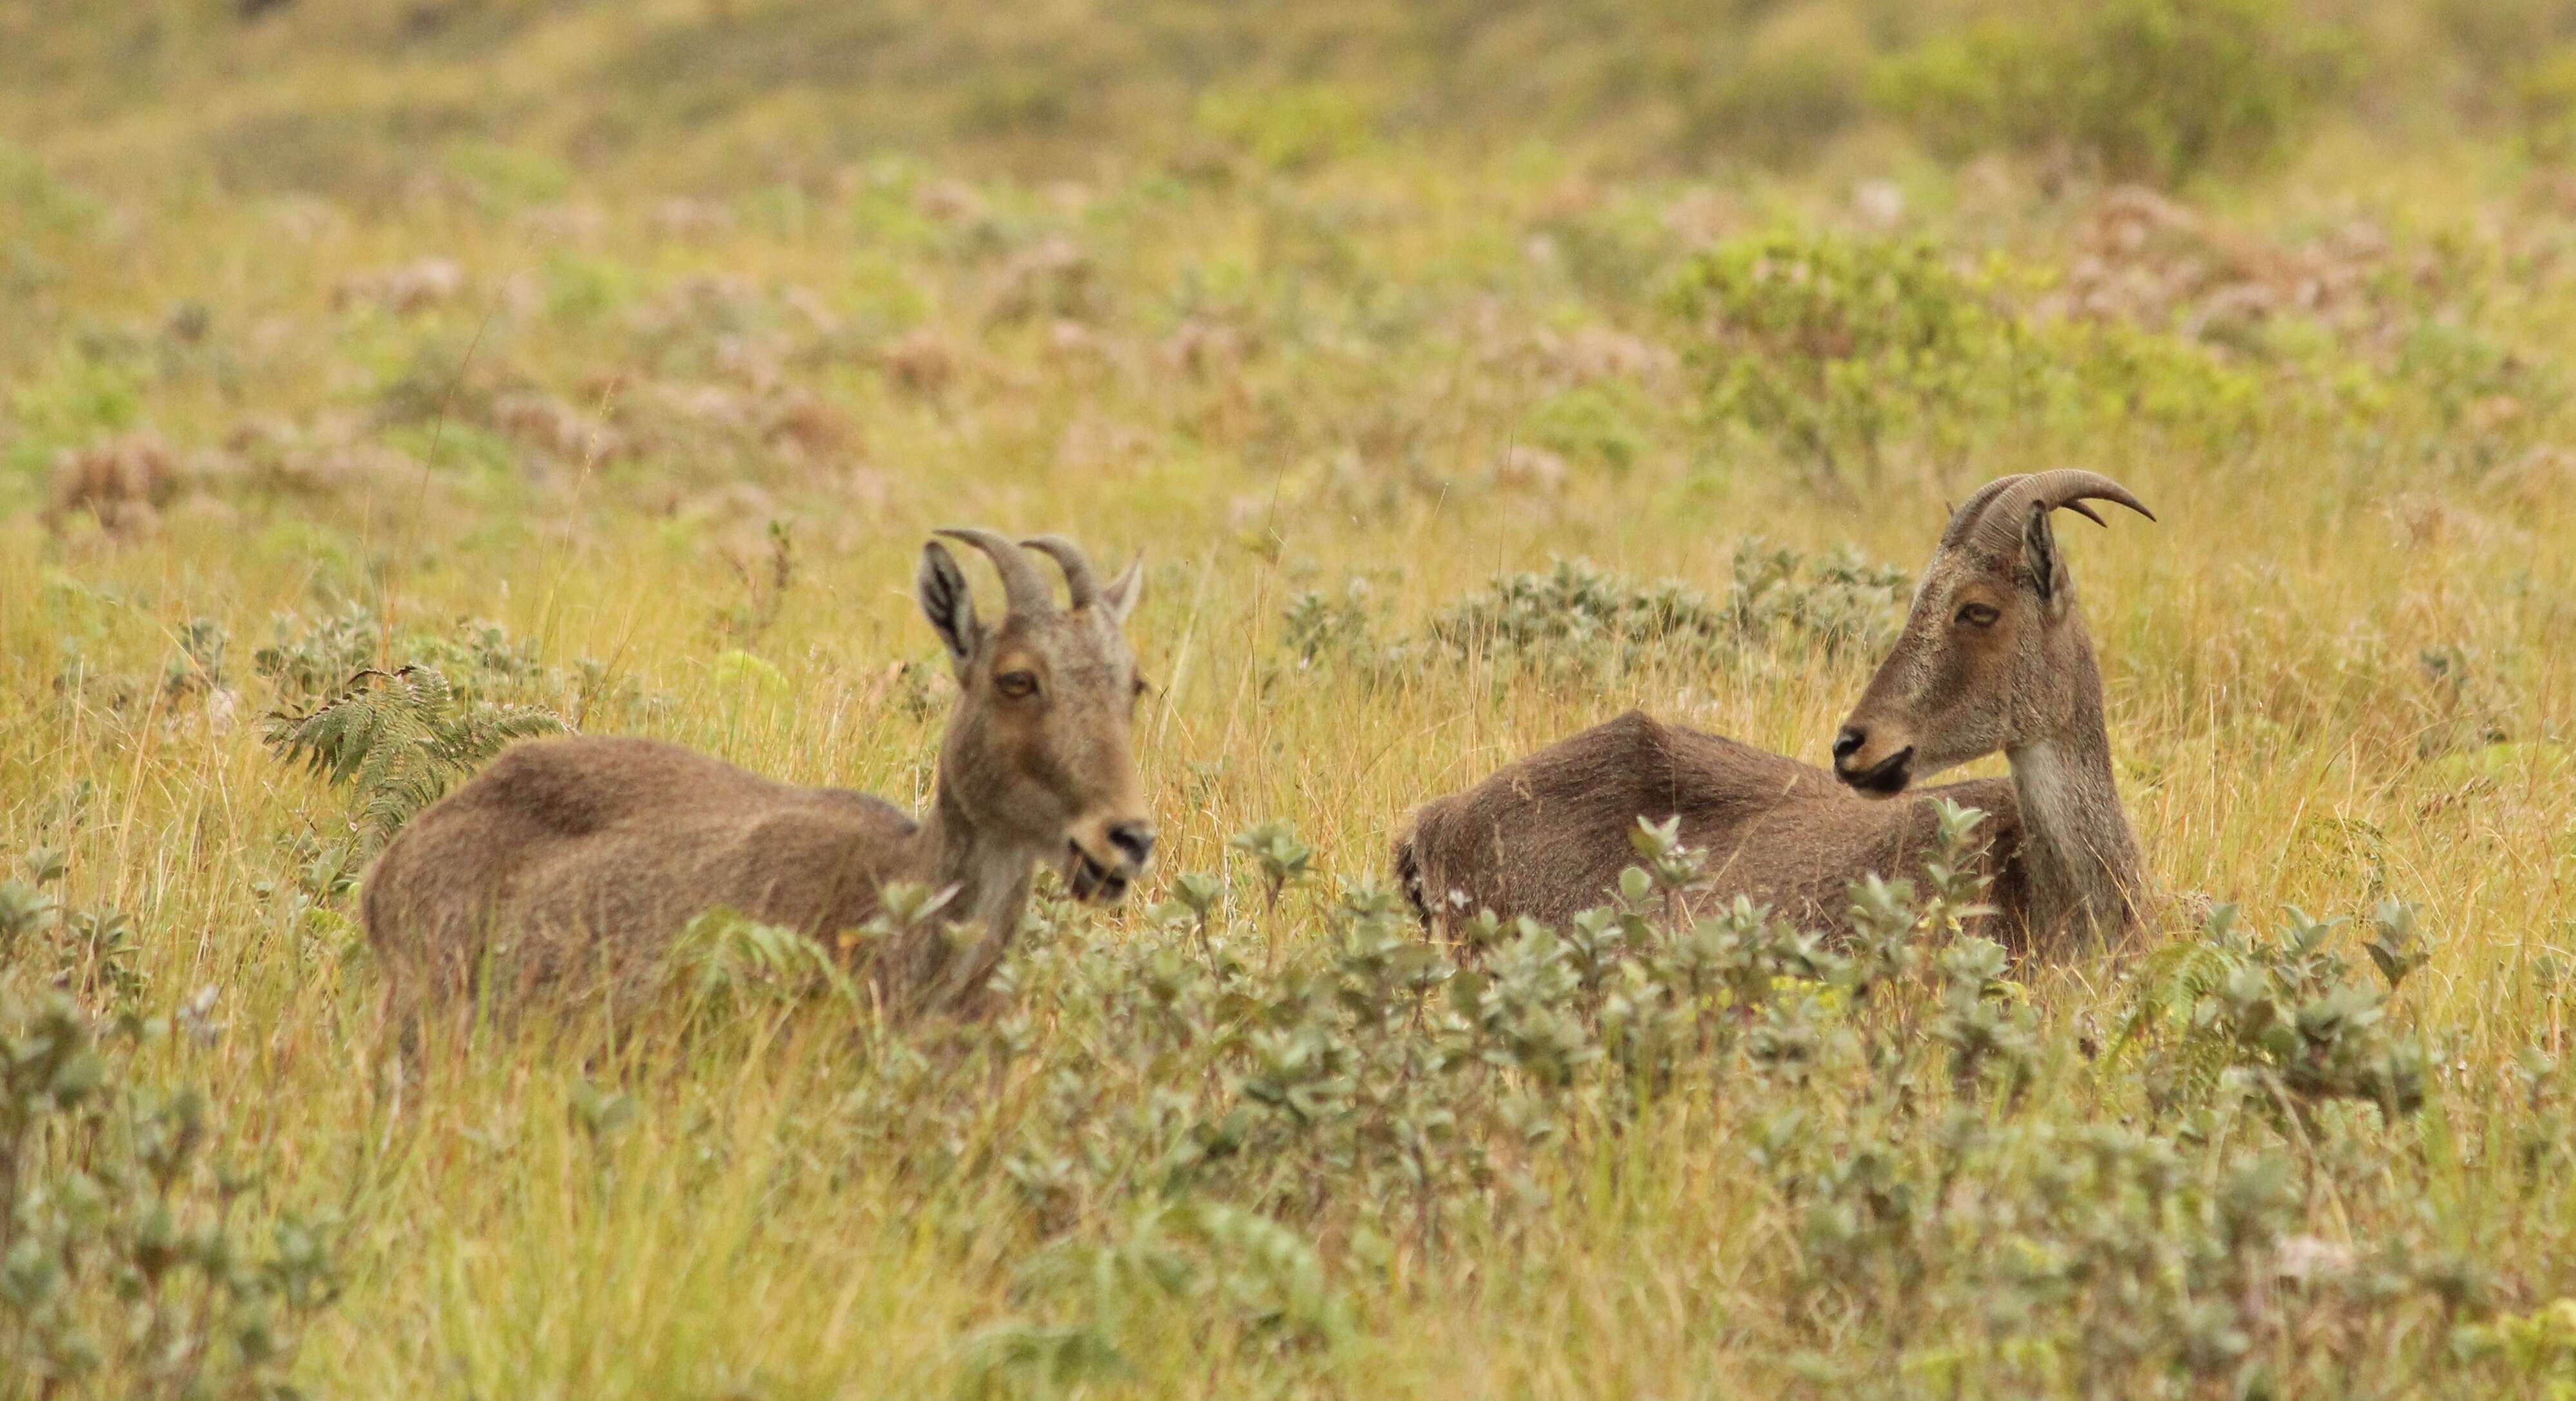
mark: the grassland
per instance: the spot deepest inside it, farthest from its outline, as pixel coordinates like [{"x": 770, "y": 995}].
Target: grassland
[{"x": 614, "y": 360}]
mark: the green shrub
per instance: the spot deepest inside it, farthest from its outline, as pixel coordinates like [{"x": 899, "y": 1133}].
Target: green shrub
[
  {"x": 725, "y": 965},
  {"x": 1289, "y": 128},
  {"x": 508, "y": 176},
  {"x": 2496, "y": 39},
  {"x": 1322, "y": 630},
  {"x": 1597, "y": 424},
  {"x": 2152, "y": 90},
  {"x": 1009, "y": 98},
  {"x": 1843, "y": 351},
  {"x": 579, "y": 289},
  {"x": 73, "y": 402},
  {"x": 129, "y": 1264},
  {"x": 1834, "y": 347},
  {"x": 2473, "y": 383},
  {"x": 2545, "y": 103},
  {"x": 1945, "y": 1162},
  {"x": 1800, "y": 79},
  {"x": 87, "y": 953},
  {"x": 34, "y": 198},
  {"x": 1576, "y": 615},
  {"x": 2286, "y": 1015}
]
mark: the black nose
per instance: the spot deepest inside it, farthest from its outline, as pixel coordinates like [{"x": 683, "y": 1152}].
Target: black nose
[
  {"x": 1849, "y": 742},
  {"x": 1135, "y": 841}
]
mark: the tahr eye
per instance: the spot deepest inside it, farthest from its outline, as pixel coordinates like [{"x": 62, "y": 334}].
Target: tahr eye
[
  {"x": 1018, "y": 685},
  {"x": 1978, "y": 615}
]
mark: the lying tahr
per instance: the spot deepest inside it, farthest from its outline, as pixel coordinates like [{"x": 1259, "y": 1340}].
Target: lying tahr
[
  {"x": 1993, "y": 656},
  {"x": 572, "y": 864}
]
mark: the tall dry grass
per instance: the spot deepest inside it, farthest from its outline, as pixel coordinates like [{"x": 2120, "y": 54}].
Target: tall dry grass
[{"x": 1267, "y": 381}]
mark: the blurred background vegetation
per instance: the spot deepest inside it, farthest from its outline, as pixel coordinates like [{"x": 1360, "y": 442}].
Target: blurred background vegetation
[
  {"x": 571, "y": 190},
  {"x": 357, "y": 99}
]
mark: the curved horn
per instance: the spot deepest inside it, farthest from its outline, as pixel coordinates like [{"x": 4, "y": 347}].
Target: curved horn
[
  {"x": 1998, "y": 524},
  {"x": 1965, "y": 518},
  {"x": 1079, "y": 582},
  {"x": 1023, "y": 587}
]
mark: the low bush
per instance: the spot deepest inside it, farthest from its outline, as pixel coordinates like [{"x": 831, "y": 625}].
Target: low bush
[
  {"x": 133, "y": 1259},
  {"x": 2545, "y": 104},
  {"x": 1289, "y": 128},
  {"x": 1966, "y": 1187},
  {"x": 1799, "y": 78},
  {"x": 1594, "y": 425},
  {"x": 2149, "y": 90},
  {"x": 1844, "y": 353},
  {"x": 1578, "y": 617}
]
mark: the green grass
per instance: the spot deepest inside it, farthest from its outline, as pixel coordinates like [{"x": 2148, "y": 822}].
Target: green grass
[{"x": 1286, "y": 323}]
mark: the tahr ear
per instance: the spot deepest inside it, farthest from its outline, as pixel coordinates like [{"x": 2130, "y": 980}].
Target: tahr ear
[
  {"x": 1122, "y": 593},
  {"x": 2039, "y": 555},
  {"x": 949, "y": 604}
]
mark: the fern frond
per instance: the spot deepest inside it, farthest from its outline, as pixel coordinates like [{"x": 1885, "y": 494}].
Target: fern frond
[
  {"x": 401, "y": 739},
  {"x": 486, "y": 729},
  {"x": 2172, "y": 980},
  {"x": 335, "y": 738}
]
